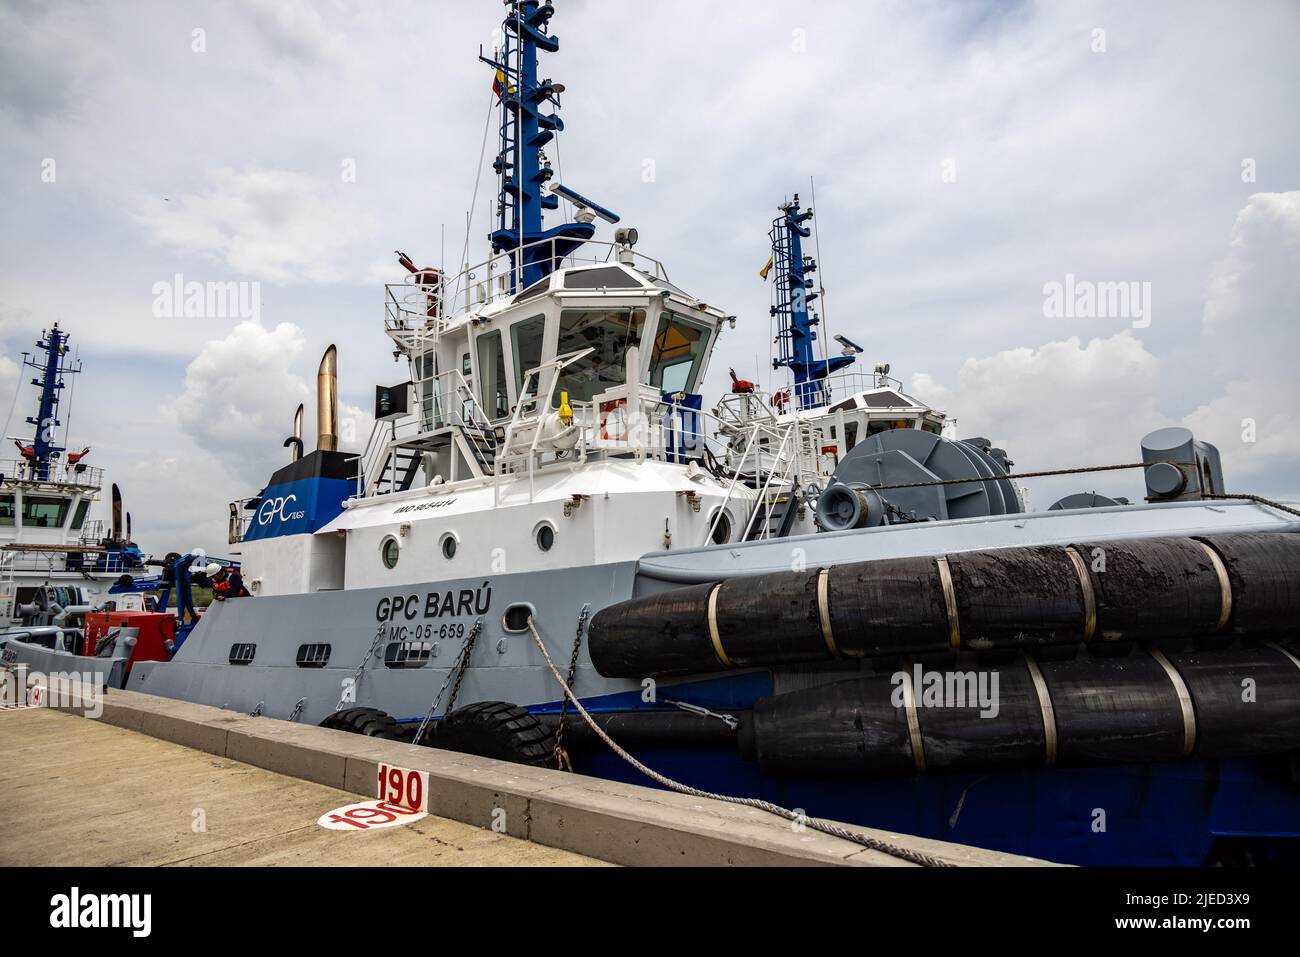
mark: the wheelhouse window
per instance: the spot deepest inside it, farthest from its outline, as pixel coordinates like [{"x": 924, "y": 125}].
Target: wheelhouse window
[
  {"x": 42, "y": 512},
  {"x": 678, "y": 352},
  {"x": 492, "y": 375},
  {"x": 601, "y": 277},
  {"x": 79, "y": 516},
  {"x": 6, "y": 509},
  {"x": 610, "y": 332},
  {"x": 526, "y": 338}
]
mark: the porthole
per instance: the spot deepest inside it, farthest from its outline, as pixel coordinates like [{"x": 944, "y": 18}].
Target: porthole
[
  {"x": 720, "y": 524},
  {"x": 390, "y": 552},
  {"x": 448, "y": 545},
  {"x": 545, "y": 536}
]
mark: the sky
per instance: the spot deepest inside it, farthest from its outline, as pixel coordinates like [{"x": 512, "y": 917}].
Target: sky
[{"x": 971, "y": 160}]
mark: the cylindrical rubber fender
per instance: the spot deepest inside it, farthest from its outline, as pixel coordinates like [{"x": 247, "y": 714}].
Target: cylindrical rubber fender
[
  {"x": 1246, "y": 699},
  {"x": 1018, "y": 598},
  {"x": 1113, "y": 710},
  {"x": 1263, "y": 570},
  {"x": 659, "y": 634},
  {"x": 999, "y": 725},
  {"x": 1146, "y": 589},
  {"x": 912, "y": 720},
  {"x": 769, "y": 620},
  {"x": 845, "y": 729},
  {"x": 894, "y": 606}
]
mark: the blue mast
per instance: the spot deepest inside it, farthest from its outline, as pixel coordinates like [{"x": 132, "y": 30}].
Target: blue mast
[
  {"x": 795, "y": 334},
  {"x": 521, "y": 165},
  {"x": 50, "y": 381}
]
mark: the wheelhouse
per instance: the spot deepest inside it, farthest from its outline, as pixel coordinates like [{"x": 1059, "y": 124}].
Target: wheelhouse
[{"x": 601, "y": 311}]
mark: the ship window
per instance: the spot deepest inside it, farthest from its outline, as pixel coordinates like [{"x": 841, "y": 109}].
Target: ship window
[
  {"x": 407, "y": 654},
  {"x": 79, "y": 517},
  {"x": 876, "y": 427},
  {"x": 850, "y": 435},
  {"x": 722, "y": 531},
  {"x": 390, "y": 552},
  {"x": 41, "y": 512},
  {"x": 535, "y": 290},
  {"x": 526, "y": 343},
  {"x": 313, "y": 656},
  {"x": 6, "y": 509},
  {"x": 492, "y": 375},
  {"x": 607, "y": 277},
  {"x": 241, "y": 653},
  {"x": 449, "y": 545},
  {"x": 678, "y": 352},
  {"x": 545, "y": 535},
  {"x": 609, "y": 332}
]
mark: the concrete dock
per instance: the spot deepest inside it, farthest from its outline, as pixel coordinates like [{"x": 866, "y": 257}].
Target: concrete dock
[
  {"x": 133, "y": 785},
  {"x": 85, "y": 794}
]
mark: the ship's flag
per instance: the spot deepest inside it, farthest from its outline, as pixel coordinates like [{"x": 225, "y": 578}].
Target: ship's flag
[
  {"x": 499, "y": 84},
  {"x": 767, "y": 268}
]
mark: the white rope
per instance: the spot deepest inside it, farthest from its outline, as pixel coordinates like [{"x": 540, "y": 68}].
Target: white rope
[{"x": 915, "y": 857}]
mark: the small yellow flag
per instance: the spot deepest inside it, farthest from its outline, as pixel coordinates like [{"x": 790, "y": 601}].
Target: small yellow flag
[{"x": 766, "y": 269}]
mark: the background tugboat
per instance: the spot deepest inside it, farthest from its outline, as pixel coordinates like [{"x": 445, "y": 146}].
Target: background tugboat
[
  {"x": 52, "y": 552},
  {"x": 75, "y": 596}
]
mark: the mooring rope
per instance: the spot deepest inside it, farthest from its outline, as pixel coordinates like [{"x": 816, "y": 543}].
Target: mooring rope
[
  {"x": 1257, "y": 499},
  {"x": 903, "y": 853}
]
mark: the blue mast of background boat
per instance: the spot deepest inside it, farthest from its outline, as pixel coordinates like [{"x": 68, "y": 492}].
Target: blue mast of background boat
[
  {"x": 795, "y": 333},
  {"x": 43, "y": 450}
]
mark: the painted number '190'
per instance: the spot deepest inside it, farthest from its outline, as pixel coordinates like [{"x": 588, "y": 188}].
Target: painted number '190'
[{"x": 403, "y": 786}]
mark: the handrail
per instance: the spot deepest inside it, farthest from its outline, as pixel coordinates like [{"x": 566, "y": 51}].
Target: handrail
[
  {"x": 762, "y": 493},
  {"x": 437, "y": 304}
]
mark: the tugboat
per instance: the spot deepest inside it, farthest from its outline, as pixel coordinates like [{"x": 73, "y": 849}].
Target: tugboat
[
  {"x": 879, "y": 635},
  {"x": 74, "y": 596},
  {"x": 51, "y": 551}
]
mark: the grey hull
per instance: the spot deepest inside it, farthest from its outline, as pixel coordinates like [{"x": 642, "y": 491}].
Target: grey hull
[{"x": 507, "y": 666}]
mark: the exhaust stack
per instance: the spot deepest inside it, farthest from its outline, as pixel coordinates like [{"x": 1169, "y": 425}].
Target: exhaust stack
[
  {"x": 295, "y": 441},
  {"x": 117, "y": 513},
  {"x": 327, "y": 402}
]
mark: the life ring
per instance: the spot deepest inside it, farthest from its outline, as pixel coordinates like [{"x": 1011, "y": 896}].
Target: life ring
[{"x": 616, "y": 410}]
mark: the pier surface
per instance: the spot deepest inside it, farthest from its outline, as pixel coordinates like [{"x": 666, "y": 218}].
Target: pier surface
[
  {"x": 132, "y": 783},
  {"x": 83, "y": 793}
]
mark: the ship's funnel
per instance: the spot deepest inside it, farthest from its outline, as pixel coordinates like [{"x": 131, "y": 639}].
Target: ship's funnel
[
  {"x": 327, "y": 402},
  {"x": 117, "y": 513}
]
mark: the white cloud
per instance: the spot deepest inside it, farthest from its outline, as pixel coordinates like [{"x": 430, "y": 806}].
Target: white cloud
[
  {"x": 239, "y": 398},
  {"x": 294, "y": 27},
  {"x": 1065, "y": 404},
  {"x": 1252, "y": 322},
  {"x": 1254, "y": 290},
  {"x": 355, "y": 426},
  {"x": 272, "y": 224}
]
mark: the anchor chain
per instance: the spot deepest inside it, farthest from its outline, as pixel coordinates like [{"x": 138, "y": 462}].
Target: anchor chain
[
  {"x": 561, "y": 756},
  {"x": 457, "y": 670},
  {"x": 356, "y": 675}
]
